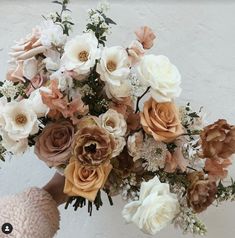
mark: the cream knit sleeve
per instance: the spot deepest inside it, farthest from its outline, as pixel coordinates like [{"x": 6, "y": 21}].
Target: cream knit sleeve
[{"x": 32, "y": 214}]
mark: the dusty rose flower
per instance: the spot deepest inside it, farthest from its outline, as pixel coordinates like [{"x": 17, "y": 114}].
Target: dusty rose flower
[
  {"x": 201, "y": 192},
  {"x": 218, "y": 140},
  {"x": 36, "y": 83},
  {"x": 53, "y": 145},
  {"x": 59, "y": 105},
  {"x": 84, "y": 181},
  {"x": 135, "y": 51},
  {"x": 145, "y": 36},
  {"x": 92, "y": 145},
  {"x": 217, "y": 168},
  {"x": 161, "y": 120}
]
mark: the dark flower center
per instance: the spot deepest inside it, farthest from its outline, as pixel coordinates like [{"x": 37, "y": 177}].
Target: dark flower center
[{"x": 91, "y": 148}]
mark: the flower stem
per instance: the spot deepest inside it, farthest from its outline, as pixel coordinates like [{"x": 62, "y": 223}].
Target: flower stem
[{"x": 139, "y": 98}]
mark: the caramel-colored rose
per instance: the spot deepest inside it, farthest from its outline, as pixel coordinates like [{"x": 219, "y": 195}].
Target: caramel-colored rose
[
  {"x": 218, "y": 140},
  {"x": 161, "y": 120},
  {"x": 92, "y": 145},
  {"x": 201, "y": 192},
  {"x": 53, "y": 146},
  {"x": 85, "y": 181}
]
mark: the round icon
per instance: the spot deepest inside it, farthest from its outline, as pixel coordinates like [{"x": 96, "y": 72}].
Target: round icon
[{"x": 7, "y": 228}]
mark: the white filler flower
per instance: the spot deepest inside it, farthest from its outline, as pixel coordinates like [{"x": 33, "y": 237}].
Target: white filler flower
[
  {"x": 155, "y": 209},
  {"x": 81, "y": 53},
  {"x": 18, "y": 120},
  {"x": 162, "y": 76}
]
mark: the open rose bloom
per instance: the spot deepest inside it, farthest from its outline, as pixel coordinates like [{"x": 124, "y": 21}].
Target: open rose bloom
[{"x": 107, "y": 119}]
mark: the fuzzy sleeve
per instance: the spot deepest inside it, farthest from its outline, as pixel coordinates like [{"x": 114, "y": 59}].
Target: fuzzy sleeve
[{"x": 32, "y": 214}]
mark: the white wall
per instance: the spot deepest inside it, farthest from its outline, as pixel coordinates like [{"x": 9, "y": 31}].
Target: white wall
[{"x": 198, "y": 36}]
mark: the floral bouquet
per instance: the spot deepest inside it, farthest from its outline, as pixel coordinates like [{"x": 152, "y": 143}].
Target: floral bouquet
[{"x": 106, "y": 119}]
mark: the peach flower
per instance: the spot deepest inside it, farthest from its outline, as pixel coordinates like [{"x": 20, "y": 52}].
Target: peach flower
[
  {"x": 218, "y": 140},
  {"x": 59, "y": 105},
  {"x": 217, "y": 168},
  {"x": 53, "y": 146},
  {"x": 161, "y": 120},
  {"x": 84, "y": 181},
  {"x": 92, "y": 144},
  {"x": 145, "y": 36},
  {"x": 135, "y": 52}
]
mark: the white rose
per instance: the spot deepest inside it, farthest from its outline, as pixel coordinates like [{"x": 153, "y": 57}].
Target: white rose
[
  {"x": 134, "y": 145},
  {"x": 114, "y": 66},
  {"x": 52, "y": 34},
  {"x": 156, "y": 208},
  {"x": 38, "y": 106},
  {"x": 80, "y": 53},
  {"x": 18, "y": 120},
  {"x": 114, "y": 123},
  {"x": 118, "y": 92},
  {"x": 162, "y": 76},
  {"x": 120, "y": 142},
  {"x": 16, "y": 147}
]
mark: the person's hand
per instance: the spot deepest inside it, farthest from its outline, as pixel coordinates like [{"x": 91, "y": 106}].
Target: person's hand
[{"x": 55, "y": 187}]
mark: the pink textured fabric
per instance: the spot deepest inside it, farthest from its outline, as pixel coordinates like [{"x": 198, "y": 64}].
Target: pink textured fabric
[{"x": 33, "y": 214}]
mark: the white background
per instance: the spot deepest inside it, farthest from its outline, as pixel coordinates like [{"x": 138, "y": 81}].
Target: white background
[{"x": 198, "y": 36}]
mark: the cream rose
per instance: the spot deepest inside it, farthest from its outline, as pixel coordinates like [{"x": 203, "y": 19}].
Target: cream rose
[
  {"x": 120, "y": 143},
  {"x": 114, "y": 65},
  {"x": 134, "y": 145},
  {"x": 80, "y": 53},
  {"x": 162, "y": 76},
  {"x": 155, "y": 209},
  {"x": 114, "y": 123},
  {"x": 84, "y": 181},
  {"x": 18, "y": 120},
  {"x": 118, "y": 92}
]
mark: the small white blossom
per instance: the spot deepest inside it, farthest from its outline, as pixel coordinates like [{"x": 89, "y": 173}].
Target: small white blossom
[
  {"x": 103, "y": 6},
  {"x": 8, "y": 89}
]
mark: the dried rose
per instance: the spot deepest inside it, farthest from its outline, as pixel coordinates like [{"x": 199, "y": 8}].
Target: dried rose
[
  {"x": 53, "y": 146},
  {"x": 201, "y": 192}
]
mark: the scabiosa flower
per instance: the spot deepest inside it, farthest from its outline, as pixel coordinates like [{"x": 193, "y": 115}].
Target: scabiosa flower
[{"x": 154, "y": 154}]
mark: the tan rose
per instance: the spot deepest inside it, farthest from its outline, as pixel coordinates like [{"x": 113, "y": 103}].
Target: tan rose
[
  {"x": 85, "y": 181},
  {"x": 53, "y": 146},
  {"x": 201, "y": 192},
  {"x": 92, "y": 144},
  {"x": 161, "y": 120},
  {"x": 218, "y": 140}
]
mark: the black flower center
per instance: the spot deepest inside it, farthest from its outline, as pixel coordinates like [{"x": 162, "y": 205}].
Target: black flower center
[{"x": 91, "y": 148}]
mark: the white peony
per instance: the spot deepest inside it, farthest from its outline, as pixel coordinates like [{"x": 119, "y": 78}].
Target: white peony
[
  {"x": 16, "y": 147},
  {"x": 162, "y": 76},
  {"x": 114, "y": 66},
  {"x": 38, "y": 106},
  {"x": 81, "y": 53},
  {"x": 114, "y": 123},
  {"x": 155, "y": 209},
  {"x": 18, "y": 120},
  {"x": 51, "y": 34}
]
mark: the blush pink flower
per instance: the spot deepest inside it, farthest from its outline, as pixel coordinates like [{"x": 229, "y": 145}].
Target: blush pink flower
[
  {"x": 145, "y": 36},
  {"x": 135, "y": 52}
]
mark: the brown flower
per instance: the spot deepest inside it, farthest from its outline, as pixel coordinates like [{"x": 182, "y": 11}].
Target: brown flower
[
  {"x": 92, "y": 144},
  {"x": 85, "y": 181},
  {"x": 161, "y": 120},
  {"x": 145, "y": 36},
  {"x": 218, "y": 140},
  {"x": 201, "y": 192},
  {"x": 53, "y": 146}
]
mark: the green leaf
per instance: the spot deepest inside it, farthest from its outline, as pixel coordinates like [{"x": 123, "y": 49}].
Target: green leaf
[
  {"x": 57, "y": 2},
  {"x": 68, "y": 22},
  {"x": 109, "y": 21},
  {"x": 193, "y": 114}
]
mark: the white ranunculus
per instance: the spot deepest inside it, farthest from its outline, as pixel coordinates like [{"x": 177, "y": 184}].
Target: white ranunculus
[
  {"x": 80, "y": 53},
  {"x": 38, "y": 106},
  {"x": 118, "y": 92},
  {"x": 16, "y": 147},
  {"x": 114, "y": 123},
  {"x": 162, "y": 76},
  {"x": 114, "y": 66},
  {"x": 155, "y": 209},
  {"x": 120, "y": 142},
  {"x": 18, "y": 120},
  {"x": 51, "y": 34}
]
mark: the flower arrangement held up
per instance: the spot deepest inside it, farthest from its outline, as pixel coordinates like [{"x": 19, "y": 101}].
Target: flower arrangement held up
[{"x": 78, "y": 103}]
